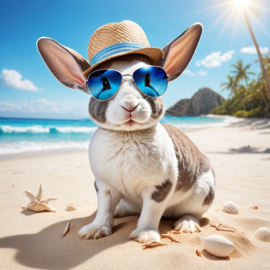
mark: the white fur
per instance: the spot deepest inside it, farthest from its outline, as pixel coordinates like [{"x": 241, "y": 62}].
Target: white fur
[
  {"x": 133, "y": 162},
  {"x": 128, "y": 165}
]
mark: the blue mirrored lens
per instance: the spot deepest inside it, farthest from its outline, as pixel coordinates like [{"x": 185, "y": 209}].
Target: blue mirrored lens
[
  {"x": 152, "y": 81},
  {"x": 103, "y": 84}
]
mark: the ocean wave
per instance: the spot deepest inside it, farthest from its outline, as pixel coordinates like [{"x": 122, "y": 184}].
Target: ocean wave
[
  {"x": 26, "y": 146},
  {"x": 44, "y": 130}
]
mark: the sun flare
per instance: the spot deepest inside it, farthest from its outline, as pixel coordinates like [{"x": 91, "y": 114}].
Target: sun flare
[{"x": 241, "y": 3}]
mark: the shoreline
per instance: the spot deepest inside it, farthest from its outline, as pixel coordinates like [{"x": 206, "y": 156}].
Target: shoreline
[
  {"x": 250, "y": 123},
  {"x": 32, "y": 154},
  {"x": 36, "y": 153}
]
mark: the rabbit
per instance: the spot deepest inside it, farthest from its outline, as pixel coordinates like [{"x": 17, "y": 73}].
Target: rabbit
[{"x": 140, "y": 165}]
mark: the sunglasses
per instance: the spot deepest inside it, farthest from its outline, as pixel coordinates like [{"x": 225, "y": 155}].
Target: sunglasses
[{"x": 104, "y": 84}]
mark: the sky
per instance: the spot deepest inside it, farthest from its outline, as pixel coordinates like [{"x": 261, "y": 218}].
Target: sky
[{"x": 28, "y": 89}]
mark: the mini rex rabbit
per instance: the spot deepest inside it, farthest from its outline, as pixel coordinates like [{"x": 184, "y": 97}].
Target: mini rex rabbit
[{"x": 140, "y": 165}]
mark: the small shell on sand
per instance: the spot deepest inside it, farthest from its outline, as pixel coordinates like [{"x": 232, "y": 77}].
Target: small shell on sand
[
  {"x": 263, "y": 234},
  {"x": 219, "y": 228},
  {"x": 153, "y": 244},
  {"x": 170, "y": 237},
  {"x": 251, "y": 206},
  {"x": 230, "y": 208},
  {"x": 175, "y": 232},
  {"x": 67, "y": 229},
  {"x": 198, "y": 227},
  {"x": 218, "y": 245},
  {"x": 71, "y": 207},
  {"x": 198, "y": 252}
]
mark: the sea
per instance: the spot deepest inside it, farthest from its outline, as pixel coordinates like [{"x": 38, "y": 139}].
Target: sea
[{"x": 24, "y": 135}]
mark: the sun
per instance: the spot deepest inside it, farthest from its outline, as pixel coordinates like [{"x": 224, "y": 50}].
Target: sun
[{"x": 241, "y": 3}]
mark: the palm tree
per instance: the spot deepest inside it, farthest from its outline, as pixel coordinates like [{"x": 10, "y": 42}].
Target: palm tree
[
  {"x": 241, "y": 72},
  {"x": 229, "y": 85},
  {"x": 266, "y": 62},
  {"x": 257, "y": 92},
  {"x": 264, "y": 73}
]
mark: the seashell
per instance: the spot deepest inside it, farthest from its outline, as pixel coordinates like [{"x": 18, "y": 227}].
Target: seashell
[
  {"x": 198, "y": 227},
  {"x": 153, "y": 244},
  {"x": 230, "y": 208},
  {"x": 220, "y": 228},
  {"x": 263, "y": 234},
  {"x": 71, "y": 207},
  {"x": 67, "y": 229},
  {"x": 175, "y": 232},
  {"x": 218, "y": 245},
  {"x": 170, "y": 237},
  {"x": 198, "y": 252},
  {"x": 251, "y": 206}
]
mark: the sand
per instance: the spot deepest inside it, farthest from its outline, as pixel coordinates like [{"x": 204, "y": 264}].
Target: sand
[{"x": 240, "y": 155}]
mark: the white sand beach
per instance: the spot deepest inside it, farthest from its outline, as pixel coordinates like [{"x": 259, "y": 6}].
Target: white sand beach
[{"x": 240, "y": 155}]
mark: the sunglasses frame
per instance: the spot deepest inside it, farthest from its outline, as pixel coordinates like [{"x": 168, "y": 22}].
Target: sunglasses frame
[{"x": 88, "y": 89}]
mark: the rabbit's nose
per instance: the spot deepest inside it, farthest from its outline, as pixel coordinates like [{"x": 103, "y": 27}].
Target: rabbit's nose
[
  {"x": 129, "y": 109},
  {"x": 129, "y": 103}
]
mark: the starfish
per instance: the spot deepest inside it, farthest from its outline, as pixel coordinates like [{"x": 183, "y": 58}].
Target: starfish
[{"x": 38, "y": 204}]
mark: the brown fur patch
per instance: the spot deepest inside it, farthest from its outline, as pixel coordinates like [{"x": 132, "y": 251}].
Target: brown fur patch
[
  {"x": 162, "y": 191},
  {"x": 97, "y": 109},
  {"x": 210, "y": 197},
  {"x": 191, "y": 162},
  {"x": 95, "y": 185},
  {"x": 157, "y": 106}
]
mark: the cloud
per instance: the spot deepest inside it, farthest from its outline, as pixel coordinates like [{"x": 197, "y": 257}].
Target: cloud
[
  {"x": 188, "y": 72},
  {"x": 202, "y": 72},
  {"x": 44, "y": 105},
  {"x": 215, "y": 59},
  {"x": 252, "y": 50},
  {"x": 13, "y": 79}
]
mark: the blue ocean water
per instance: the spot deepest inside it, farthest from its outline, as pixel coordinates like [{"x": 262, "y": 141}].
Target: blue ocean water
[{"x": 19, "y": 135}]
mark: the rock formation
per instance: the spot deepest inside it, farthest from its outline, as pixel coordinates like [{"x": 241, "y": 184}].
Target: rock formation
[{"x": 202, "y": 102}]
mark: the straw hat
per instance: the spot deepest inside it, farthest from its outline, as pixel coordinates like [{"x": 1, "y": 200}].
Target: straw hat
[{"x": 117, "y": 39}]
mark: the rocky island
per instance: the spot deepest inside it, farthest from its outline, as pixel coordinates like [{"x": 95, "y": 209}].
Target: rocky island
[{"x": 202, "y": 102}]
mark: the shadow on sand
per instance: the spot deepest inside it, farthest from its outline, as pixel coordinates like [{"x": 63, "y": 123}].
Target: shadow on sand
[
  {"x": 253, "y": 123},
  {"x": 244, "y": 150},
  {"x": 47, "y": 249}
]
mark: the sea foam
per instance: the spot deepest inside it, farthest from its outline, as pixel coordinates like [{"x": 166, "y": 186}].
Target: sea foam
[
  {"x": 26, "y": 146},
  {"x": 44, "y": 130}
]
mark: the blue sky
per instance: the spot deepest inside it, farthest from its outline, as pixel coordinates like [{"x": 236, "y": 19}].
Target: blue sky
[{"x": 72, "y": 23}]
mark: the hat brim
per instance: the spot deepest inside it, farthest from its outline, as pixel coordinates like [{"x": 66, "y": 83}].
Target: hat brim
[{"x": 154, "y": 55}]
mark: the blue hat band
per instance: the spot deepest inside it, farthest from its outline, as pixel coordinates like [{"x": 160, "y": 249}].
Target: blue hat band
[{"x": 115, "y": 49}]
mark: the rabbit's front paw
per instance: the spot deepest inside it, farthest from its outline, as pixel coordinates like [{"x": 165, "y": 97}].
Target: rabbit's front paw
[
  {"x": 145, "y": 235},
  {"x": 93, "y": 231},
  {"x": 187, "y": 224}
]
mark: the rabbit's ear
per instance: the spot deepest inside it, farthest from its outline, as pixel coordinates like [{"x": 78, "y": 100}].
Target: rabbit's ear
[
  {"x": 65, "y": 64},
  {"x": 179, "y": 52}
]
